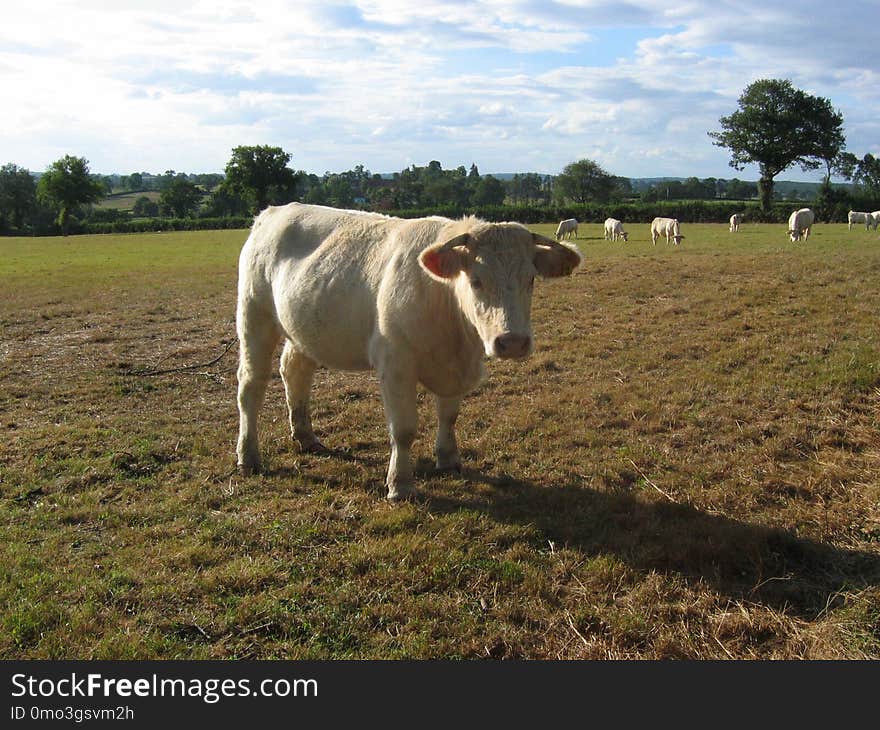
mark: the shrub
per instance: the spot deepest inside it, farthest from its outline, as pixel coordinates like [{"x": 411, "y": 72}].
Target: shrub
[
  {"x": 690, "y": 211},
  {"x": 145, "y": 225}
]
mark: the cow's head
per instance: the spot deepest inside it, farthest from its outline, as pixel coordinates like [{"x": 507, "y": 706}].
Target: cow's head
[
  {"x": 794, "y": 236},
  {"x": 492, "y": 268},
  {"x": 625, "y": 235}
]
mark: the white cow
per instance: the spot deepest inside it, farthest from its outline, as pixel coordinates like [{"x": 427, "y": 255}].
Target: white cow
[
  {"x": 668, "y": 227},
  {"x": 419, "y": 301},
  {"x": 735, "y": 220},
  {"x": 614, "y": 230},
  {"x": 799, "y": 224},
  {"x": 855, "y": 216},
  {"x": 569, "y": 225},
  {"x": 875, "y": 220}
]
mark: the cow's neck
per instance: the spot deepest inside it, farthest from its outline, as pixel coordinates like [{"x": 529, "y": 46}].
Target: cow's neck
[{"x": 455, "y": 364}]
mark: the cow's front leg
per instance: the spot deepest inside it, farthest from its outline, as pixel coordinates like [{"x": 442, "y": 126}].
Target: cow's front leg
[
  {"x": 446, "y": 448},
  {"x": 398, "y": 385}
]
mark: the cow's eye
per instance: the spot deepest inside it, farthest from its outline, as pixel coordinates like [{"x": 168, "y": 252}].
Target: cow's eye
[
  {"x": 476, "y": 283},
  {"x": 532, "y": 282}
]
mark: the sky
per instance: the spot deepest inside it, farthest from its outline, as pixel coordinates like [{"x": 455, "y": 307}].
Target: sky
[{"x": 510, "y": 85}]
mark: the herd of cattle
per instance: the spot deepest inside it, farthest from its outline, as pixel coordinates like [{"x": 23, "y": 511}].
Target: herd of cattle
[
  {"x": 871, "y": 220},
  {"x": 799, "y": 224},
  {"x": 421, "y": 301}
]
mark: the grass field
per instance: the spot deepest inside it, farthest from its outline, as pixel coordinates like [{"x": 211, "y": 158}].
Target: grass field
[
  {"x": 126, "y": 201},
  {"x": 687, "y": 467}
]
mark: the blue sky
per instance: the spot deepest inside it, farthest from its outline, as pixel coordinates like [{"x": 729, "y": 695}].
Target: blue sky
[{"x": 509, "y": 85}]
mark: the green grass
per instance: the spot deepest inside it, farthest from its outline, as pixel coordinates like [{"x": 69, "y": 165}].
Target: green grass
[
  {"x": 126, "y": 201},
  {"x": 96, "y": 260},
  {"x": 686, "y": 467}
]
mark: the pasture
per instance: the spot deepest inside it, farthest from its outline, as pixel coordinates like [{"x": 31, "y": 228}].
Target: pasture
[
  {"x": 126, "y": 201},
  {"x": 687, "y": 467}
]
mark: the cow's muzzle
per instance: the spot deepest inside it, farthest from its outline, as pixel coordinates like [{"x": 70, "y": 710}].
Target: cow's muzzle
[{"x": 512, "y": 346}]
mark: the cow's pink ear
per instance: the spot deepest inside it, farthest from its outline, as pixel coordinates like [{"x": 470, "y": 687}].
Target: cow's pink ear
[
  {"x": 553, "y": 258},
  {"x": 443, "y": 261}
]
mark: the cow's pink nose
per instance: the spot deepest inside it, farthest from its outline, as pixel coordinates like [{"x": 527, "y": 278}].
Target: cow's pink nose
[{"x": 511, "y": 345}]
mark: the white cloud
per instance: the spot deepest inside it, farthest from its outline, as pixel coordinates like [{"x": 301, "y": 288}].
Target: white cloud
[{"x": 508, "y": 84}]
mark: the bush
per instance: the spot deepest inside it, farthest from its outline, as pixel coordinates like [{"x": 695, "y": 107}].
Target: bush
[
  {"x": 687, "y": 211},
  {"x": 104, "y": 215},
  {"x": 145, "y": 208},
  {"x": 146, "y": 225}
]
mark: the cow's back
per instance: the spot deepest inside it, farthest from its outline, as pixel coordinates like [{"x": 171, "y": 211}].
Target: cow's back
[
  {"x": 664, "y": 225},
  {"x": 801, "y": 219},
  {"x": 317, "y": 271},
  {"x": 295, "y": 232}
]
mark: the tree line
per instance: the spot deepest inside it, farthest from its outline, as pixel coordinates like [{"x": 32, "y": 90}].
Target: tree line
[
  {"x": 775, "y": 127},
  {"x": 257, "y": 176}
]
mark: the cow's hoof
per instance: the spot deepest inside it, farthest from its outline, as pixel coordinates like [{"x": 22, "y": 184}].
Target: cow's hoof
[
  {"x": 448, "y": 461},
  {"x": 399, "y": 492},
  {"x": 247, "y": 470},
  {"x": 312, "y": 447},
  {"x": 449, "y": 466}
]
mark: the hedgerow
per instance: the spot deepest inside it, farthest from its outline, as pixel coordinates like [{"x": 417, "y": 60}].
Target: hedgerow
[{"x": 690, "y": 211}]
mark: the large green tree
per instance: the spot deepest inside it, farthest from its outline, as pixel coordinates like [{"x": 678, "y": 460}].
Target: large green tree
[
  {"x": 67, "y": 185},
  {"x": 864, "y": 172},
  {"x": 144, "y": 207},
  {"x": 180, "y": 198},
  {"x": 260, "y": 175},
  {"x": 136, "y": 181},
  {"x": 827, "y": 137},
  {"x": 489, "y": 191},
  {"x": 777, "y": 126},
  {"x": 529, "y": 187},
  {"x": 583, "y": 181},
  {"x": 225, "y": 201},
  {"x": 338, "y": 191},
  {"x": 18, "y": 196}
]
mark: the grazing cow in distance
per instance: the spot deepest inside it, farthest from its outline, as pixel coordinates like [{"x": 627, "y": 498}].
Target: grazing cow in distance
[
  {"x": 614, "y": 230},
  {"x": 875, "y": 220},
  {"x": 735, "y": 220},
  {"x": 418, "y": 301},
  {"x": 569, "y": 225},
  {"x": 855, "y": 216},
  {"x": 799, "y": 224},
  {"x": 668, "y": 227}
]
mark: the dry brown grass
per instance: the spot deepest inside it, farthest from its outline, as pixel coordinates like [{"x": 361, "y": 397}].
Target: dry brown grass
[{"x": 686, "y": 468}]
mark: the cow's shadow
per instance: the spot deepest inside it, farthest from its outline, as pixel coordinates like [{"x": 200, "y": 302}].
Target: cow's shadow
[
  {"x": 740, "y": 560},
  {"x": 303, "y": 461}
]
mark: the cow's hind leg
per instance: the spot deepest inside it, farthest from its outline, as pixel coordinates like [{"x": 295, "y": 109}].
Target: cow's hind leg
[
  {"x": 446, "y": 448},
  {"x": 258, "y": 335},
  {"x": 398, "y": 386},
  {"x": 297, "y": 373}
]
